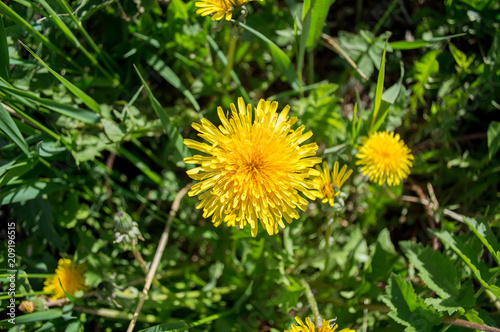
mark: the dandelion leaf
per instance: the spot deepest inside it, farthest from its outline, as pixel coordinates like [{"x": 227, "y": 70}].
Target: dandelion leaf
[{"x": 407, "y": 309}]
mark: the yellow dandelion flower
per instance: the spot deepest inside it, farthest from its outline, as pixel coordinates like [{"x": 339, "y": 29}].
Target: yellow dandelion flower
[
  {"x": 72, "y": 277},
  {"x": 309, "y": 327},
  {"x": 219, "y": 8},
  {"x": 385, "y": 158},
  {"x": 255, "y": 170},
  {"x": 330, "y": 186}
]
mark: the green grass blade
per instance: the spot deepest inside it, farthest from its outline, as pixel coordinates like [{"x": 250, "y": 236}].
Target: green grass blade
[
  {"x": 140, "y": 165},
  {"x": 306, "y": 24},
  {"x": 21, "y": 22},
  {"x": 86, "y": 99},
  {"x": 54, "y": 18},
  {"x": 170, "y": 129},
  {"x": 379, "y": 90},
  {"x": 73, "y": 112},
  {"x": 8, "y": 126},
  {"x": 173, "y": 79},
  {"x": 418, "y": 43},
  {"x": 282, "y": 60},
  {"x": 106, "y": 59},
  {"x": 223, "y": 59},
  {"x": 34, "y": 317},
  {"x": 319, "y": 11},
  {"x": 4, "y": 53}
]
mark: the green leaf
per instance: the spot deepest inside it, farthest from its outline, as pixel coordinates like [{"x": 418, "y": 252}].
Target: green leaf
[
  {"x": 423, "y": 72},
  {"x": 175, "y": 326},
  {"x": 282, "y": 60},
  {"x": 34, "y": 317},
  {"x": 114, "y": 131},
  {"x": 304, "y": 36},
  {"x": 436, "y": 270},
  {"x": 8, "y": 126},
  {"x": 388, "y": 98},
  {"x": 9, "y": 12},
  {"x": 73, "y": 112},
  {"x": 170, "y": 129},
  {"x": 172, "y": 78},
  {"x": 4, "y": 53},
  {"x": 86, "y": 99},
  {"x": 379, "y": 90},
  {"x": 493, "y": 138},
  {"x": 479, "y": 270},
  {"x": 27, "y": 191},
  {"x": 384, "y": 255},
  {"x": 223, "y": 59},
  {"x": 418, "y": 43},
  {"x": 49, "y": 149},
  {"x": 485, "y": 235},
  {"x": 156, "y": 178},
  {"x": 406, "y": 308},
  {"x": 319, "y": 12}
]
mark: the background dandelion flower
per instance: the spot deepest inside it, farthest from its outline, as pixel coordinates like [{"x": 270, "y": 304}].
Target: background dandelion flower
[
  {"x": 329, "y": 187},
  {"x": 254, "y": 170},
  {"x": 309, "y": 327},
  {"x": 72, "y": 277},
  {"x": 385, "y": 158},
  {"x": 219, "y": 8}
]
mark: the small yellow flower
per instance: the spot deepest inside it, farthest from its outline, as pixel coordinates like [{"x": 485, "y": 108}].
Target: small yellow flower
[
  {"x": 219, "y": 8},
  {"x": 330, "y": 186},
  {"x": 309, "y": 327},
  {"x": 72, "y": 277},
  {"x": 253, "y": 170},
  {"x": 385, "y": 158}
]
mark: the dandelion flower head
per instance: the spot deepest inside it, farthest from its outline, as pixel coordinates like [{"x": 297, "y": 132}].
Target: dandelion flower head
[
  {"x": 385, "y": 158},
  {"x": 309, "y": 327},
  {"x": 330, "y": 185},
  {"x": 219, "y": 8},
  {"x": 72, "y": 277},
  {"x": 254, "y": 170}
]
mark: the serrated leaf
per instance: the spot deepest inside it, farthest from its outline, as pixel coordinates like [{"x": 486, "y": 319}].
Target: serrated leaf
[
  {"x": 479, "y": 270},
  {"x": 485, "y": 235},
  {"x": 493, "y": 138},
  {"x": 435, "y": 269},
  {"x": 406, "y": 308}
]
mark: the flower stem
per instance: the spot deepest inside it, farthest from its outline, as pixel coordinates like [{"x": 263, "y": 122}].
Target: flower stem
[
  {"x": 159, "y": 252},
  {"x": 230, "y": 59},
  {"x": 328, "y": 234},
  {"x": 312, "y": 302}
]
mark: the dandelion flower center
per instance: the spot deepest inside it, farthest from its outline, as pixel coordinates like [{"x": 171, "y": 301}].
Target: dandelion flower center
[
  {"x": 256, "y": 170},
  {"x": 385, "y": 158}
]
